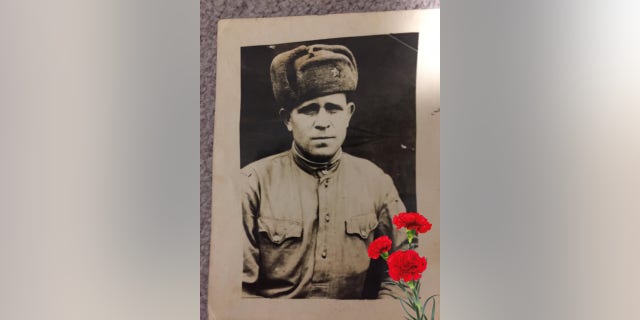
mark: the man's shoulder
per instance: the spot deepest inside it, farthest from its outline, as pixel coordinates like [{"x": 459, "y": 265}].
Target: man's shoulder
[
  {"x": 361, "y": 165},
  {"x": 365, "y": 174},
  {"x": 266, "y": 164}
]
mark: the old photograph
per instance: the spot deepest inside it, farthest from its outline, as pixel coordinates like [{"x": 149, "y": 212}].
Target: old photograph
[
  {"x": 327, "y": 143},
  {"x": 324, "y": 137}
]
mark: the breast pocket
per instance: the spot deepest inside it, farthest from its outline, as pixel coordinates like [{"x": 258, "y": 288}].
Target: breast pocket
[
  {"x": 362, "y": 225},
  {"x": 279, "y": 231},
  {"x": 281, "y": 248}
]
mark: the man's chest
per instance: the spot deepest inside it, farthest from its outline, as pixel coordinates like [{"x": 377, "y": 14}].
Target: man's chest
[{"x": 308, "y": 198}]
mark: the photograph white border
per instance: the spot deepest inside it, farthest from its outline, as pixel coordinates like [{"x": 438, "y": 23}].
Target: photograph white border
[{"x": 225, "y": 301}]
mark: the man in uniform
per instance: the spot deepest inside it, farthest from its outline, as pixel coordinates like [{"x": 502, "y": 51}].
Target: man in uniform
[{"x": 310, "y": 213}]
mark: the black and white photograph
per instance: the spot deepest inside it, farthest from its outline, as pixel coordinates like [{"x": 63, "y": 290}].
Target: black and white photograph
[
  {"x": 326, "y": 140},
  {"x": 327, "y": 143}
]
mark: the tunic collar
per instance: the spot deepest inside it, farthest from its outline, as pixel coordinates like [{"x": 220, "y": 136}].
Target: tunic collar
[{"x": 317, "y": 169}]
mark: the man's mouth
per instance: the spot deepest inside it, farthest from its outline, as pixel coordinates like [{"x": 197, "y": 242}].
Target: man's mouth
[{"x": 322, "y": 138}]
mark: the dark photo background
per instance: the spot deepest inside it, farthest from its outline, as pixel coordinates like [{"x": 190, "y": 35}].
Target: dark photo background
[{"x": 383, "y": 127}]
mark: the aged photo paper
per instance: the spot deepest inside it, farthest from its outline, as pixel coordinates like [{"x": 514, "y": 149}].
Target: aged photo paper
[{"x": 325, "y": 127}]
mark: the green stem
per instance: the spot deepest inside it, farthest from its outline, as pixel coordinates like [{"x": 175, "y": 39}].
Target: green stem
[{"x": 416, "y": 301}]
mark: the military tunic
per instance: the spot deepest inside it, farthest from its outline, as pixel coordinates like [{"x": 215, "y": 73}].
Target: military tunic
[{"x": 307, "y": 230}]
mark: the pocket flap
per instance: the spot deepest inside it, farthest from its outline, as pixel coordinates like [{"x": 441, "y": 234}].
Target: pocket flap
[
  {"x": 279, "y": 230},
  {"x": 362, "y": 225}
]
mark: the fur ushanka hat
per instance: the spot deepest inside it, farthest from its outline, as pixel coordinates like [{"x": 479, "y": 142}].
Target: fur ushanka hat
[{"x": 307, "y": 72}]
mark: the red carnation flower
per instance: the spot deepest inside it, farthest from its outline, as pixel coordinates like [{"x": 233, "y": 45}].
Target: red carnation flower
[
  {"x": 412, "y": 221},
  {"x": 406, "y": 265},
  {"x": 379, "y": 246}
]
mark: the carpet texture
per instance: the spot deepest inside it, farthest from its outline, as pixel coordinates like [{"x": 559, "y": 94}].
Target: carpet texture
[{"x": 210, "y": 12}]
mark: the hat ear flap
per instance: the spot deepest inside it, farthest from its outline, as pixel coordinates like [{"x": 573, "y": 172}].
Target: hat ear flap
[
  {"x": 291, "y": 72},
  {"x": 284, "y": 79}
]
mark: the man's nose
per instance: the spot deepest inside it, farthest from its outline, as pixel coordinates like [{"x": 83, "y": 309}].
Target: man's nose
[{"x": 323, "y": 119}]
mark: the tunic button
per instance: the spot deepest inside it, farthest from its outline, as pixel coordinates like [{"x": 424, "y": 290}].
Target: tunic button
[
  {"x": 324, "y": 254},
  {"x": 327, "y": 218},
  {"x": 276, "y": 237}
]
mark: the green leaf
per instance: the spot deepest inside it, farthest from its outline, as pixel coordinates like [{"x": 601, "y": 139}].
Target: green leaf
[
  {"x": 433, "y": 309},
  {"x": 433, "y": 306},
  {"x": 424, "y": 305},
  {"x": 406, "y": 303},
  {"x": 403, "y": 308},
  {"x": 402, "y": 301}
]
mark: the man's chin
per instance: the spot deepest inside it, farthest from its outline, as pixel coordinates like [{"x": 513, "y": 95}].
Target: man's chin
[{"x": 322, "y": 155}]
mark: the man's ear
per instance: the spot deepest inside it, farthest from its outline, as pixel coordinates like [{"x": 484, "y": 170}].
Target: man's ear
[
  {"x": 285, "y": 116},
  {"x": 352, "y": 107}
]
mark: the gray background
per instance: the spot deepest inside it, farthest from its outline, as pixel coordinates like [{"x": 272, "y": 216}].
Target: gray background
[{"x": 99, "y": 123}]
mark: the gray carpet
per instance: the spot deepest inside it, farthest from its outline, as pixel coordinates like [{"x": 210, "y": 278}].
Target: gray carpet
[{"x": 210, "y": 12}]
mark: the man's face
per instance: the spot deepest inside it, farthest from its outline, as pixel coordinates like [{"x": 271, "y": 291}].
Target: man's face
[{"x": 319, "y": 126}]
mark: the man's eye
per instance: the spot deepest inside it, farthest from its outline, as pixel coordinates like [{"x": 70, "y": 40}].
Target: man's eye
[
  {"x": 333, "y": 108},
  {"x": 309, "y": 110}
]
